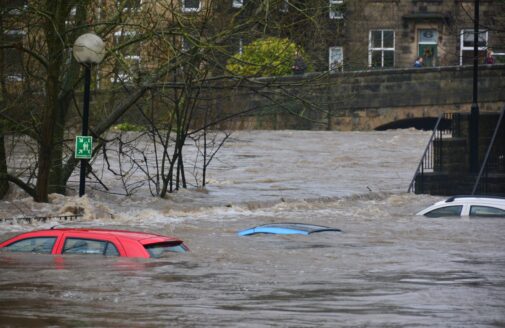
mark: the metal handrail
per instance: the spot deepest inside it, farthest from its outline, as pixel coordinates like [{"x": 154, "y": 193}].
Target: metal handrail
[
  {"x": 486, "y": 158},
  {"x": 435, "y": 129}
]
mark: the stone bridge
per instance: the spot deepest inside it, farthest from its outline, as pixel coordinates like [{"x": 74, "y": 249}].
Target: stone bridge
[{"x": 363, "y": 100}]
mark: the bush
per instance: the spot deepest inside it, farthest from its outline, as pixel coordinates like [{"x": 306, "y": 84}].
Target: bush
[
  {"x": 128, "y": 127},
  {"x": 265, "y": 57}
]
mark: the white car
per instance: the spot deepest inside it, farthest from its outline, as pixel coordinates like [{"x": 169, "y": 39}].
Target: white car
[{"x": 476, "y": 206}]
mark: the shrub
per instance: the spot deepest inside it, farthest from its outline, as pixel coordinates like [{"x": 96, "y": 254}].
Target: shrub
[{"x": 265, "y": 57}]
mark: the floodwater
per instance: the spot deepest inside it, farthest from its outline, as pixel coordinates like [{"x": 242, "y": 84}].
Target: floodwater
[{"x": 388, "y": 268}]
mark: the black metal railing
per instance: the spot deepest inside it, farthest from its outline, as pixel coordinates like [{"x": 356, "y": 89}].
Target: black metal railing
[
  {"x": 432, "y": 155},
  {"x": 494, "y": 160}
]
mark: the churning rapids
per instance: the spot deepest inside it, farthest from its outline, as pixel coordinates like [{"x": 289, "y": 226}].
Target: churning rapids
[{"x": 388, "y": 268}]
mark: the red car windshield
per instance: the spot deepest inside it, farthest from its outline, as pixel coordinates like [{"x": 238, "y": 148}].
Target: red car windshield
[{"x": 160, "y": 249}]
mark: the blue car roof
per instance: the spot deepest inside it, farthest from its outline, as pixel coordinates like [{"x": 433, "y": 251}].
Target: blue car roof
[{"x": 286, "y": 229}]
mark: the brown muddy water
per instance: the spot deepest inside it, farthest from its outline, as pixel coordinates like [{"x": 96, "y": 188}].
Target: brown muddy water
[{"x": 388, "y": 268}]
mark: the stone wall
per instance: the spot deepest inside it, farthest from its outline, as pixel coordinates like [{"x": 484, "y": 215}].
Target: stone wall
[
  {"x": 362, "y": 100},
  {"x": 357, "y": 100}
]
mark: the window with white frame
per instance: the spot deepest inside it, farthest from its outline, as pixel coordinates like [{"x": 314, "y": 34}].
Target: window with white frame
[
  {"x": 336, "y": 9},
  {"x": 129, "y": 5},
  {"x": 284, "y": 6},
  {"x": 71, "y": 16},
  {"x": 381, "y": 49},
  {"x": 466, "y": 46},
  {"x": 240, "y": 49},
  {"x": 499, "y": 56},
  {"x": 189, "y": 6},
  {"x": 336, "y": 59},
  {"x": 185, "y": 44},
  {"x": 128, "y": 64},
  {"x": 237, "y": 3},
  {"x": 12, "y": 57},
  {"x": 14, "y": 7}
]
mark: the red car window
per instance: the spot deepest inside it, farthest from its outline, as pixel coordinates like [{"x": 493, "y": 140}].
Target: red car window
[
  {"x": 89, "y": 246},
  {"x": 42, "y": 245},
  {"x": 159, "y": 249}
]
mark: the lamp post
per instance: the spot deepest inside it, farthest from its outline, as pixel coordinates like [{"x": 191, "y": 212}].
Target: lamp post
[
  {"x": 474, "y": 111},
  {"x": 88, "y": 49}
]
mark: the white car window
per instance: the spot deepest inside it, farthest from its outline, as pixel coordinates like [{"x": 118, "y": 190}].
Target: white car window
[
  {"x": 486, "y": 211},
  {"x": 454, "y": 210}
]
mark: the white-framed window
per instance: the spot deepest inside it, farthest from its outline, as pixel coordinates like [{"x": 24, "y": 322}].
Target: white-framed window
[
  {"x": 185, "y": 44},
  {"x": 129, "y": 5},
  {"x": 240, "y": 46},
  {"x": 129, "y": 58},
  {"x": 466, "y": 46},
  {"x": 284, "y": 6},
  {"x": 335, "y": 11},
  {"x": 237, "y": 3},
  {"x": 189, "y": 6},
  {"x": 71, "y": 16},
  {"x": 13, "y": 58},
  {"x": 335, "y": 59},
  {"x": 381, "y": 48},
  {"x": 499, "y": 56},
  {"x": 15, "y": 7}
]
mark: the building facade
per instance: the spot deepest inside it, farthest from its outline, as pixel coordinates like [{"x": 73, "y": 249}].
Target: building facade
[
  {"x": 335, "y": 34},
  {"x": 394, "y": 33}
]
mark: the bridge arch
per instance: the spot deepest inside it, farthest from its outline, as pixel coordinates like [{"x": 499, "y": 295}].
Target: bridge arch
[{"x": 419, "y": 123}]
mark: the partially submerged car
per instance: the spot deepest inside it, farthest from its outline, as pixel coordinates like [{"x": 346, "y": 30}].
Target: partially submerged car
[
  {"x": 94, "y": 241},
  {"x": 473, "y": 206},
  {"x": 286, "y": 229}
]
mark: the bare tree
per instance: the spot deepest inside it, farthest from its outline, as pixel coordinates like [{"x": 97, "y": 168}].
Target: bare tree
[{"x": 183, "y": 53}]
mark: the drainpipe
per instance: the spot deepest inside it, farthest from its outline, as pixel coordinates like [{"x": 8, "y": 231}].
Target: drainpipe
[{"x": 474, "y": 113}]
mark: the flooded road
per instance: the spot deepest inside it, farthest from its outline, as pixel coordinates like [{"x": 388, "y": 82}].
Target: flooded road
[{"x": 388, "y": 268}]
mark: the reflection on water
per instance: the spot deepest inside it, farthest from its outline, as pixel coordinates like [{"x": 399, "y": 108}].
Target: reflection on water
[{"x": 387, "y": 268}]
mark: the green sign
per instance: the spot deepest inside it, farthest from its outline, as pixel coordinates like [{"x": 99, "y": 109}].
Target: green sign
[{"x": 83, "y": 147}]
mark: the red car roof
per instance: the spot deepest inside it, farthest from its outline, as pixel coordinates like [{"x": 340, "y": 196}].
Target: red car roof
[{"x": 134, "y": 235}]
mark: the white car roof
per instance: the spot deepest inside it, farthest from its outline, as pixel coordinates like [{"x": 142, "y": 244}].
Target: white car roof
[
  {"x": 474, "y": 200},
  {"x": 498, "y": 202}
]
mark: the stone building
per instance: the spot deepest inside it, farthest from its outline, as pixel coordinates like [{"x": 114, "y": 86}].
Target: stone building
[
  {"x": 392, "y": 33},
  {"x": 336, "y": 34}
]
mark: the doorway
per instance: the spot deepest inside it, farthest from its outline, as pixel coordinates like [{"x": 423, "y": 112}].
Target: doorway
[{"x": 428, "y": 46}]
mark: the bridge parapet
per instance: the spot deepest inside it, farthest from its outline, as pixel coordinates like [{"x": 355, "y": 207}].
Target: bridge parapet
[{"x": 361, "y": 100}]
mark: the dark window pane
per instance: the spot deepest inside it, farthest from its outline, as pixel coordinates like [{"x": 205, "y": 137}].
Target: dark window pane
[
  {"x": 33, "y": 245},
  {"x": 376, "y": 39},
  {"x": 389, "y": 58},
  {"x": 158, "y": 250},
  {"x": 389, "y": 39},
  {"x": 445, "y": 211},
  {"x": 14, "y": 3},
  {"x": 487, "y": 211},
  {"x": 132, "y": 4},
  {"x": 376, "y": 58},
  {"x": 83, "y": 246},
  {"x": 13, "y": 58},
  {"x": 468, "y": 57},
  {"x": 468, "y": 39},
  {"x": 127, "y": 45},
  {"x": 191, "y": 4},
  {"x": 111, "y": 250}
]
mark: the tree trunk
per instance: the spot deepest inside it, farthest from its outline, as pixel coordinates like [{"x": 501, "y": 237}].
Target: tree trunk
[
  {"x": 46, "y": 142},
  {"x": 4, "y": 183},
  {"x": 54, "y": 24}
]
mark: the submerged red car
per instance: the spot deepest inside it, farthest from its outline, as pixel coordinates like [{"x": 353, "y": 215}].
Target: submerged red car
[{"x": 94, "y": 241}]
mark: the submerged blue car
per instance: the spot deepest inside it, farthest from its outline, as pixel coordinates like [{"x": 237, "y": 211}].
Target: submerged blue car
[{"x": 286, "y": 229}]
